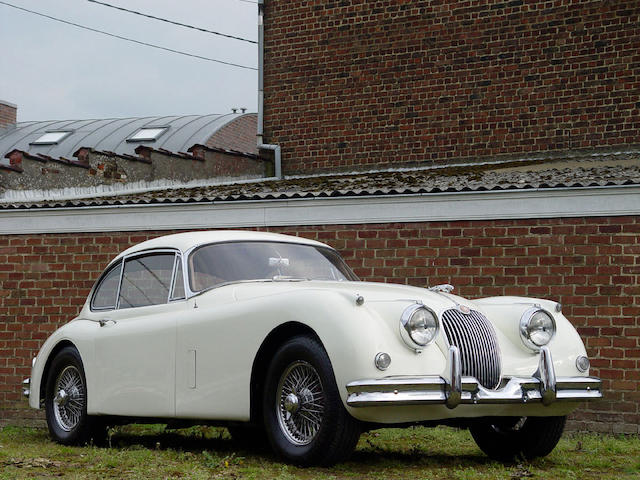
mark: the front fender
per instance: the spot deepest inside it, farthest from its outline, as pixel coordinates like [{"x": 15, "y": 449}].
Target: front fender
[
  {"x": 75, "y": 333},
  {"x": 353, "y": 334},
  {"x": 566, "y": 345}
]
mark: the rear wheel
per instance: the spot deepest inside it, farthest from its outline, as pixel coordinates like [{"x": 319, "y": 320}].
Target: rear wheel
[
  {"x": 512, "y": 438},
  {"x": 66, "y": 401},
  {"x": 304, "y": 417}
]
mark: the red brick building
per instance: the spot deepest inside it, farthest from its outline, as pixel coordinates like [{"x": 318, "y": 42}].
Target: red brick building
[
  {"x": 357, "y": 84},
  {"x": 496, "y": 146}
]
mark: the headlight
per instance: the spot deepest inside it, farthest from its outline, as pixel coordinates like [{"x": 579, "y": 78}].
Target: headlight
[
  {"x": 418, "y": 326},
  {"x": 537, "y": 328}
]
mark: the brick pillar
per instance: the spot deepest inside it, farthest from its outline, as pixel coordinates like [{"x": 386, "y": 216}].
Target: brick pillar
[{"x": 8, "y": 113}]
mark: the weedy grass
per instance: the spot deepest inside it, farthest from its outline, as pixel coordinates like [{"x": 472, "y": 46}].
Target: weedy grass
[{"x": 151, "y": 452}]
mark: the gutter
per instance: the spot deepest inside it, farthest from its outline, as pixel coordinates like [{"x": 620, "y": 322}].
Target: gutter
[{"x": 260, "y": 133}]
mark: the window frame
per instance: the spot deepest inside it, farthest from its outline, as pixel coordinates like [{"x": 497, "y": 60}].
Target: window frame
[
  {"x": 188, "y": 253},
  {"x": 163, "y": 129},
  {"x": 107, "y": 271},
  {"x": 177, "y": 262},
  {"x": 143, "y": 253}
]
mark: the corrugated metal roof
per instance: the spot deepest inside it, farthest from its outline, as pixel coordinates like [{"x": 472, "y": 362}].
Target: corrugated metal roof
[
  {"x": 601, "y": 171},
  {"x": 110, "y": 135}
]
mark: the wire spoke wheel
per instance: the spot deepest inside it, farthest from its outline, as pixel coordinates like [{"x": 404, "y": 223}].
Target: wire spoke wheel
[
  {"x": 300, "y": 403},
  {"x": 68, "y": 398}
]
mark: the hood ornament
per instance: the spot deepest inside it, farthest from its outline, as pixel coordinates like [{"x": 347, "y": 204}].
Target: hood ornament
[
  {"x": 444, "y": 287},
  {"x": 464, "y": 309}
]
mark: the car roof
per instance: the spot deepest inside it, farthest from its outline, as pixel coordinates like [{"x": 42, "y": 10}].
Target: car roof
[{"x": 185, "y": 241}]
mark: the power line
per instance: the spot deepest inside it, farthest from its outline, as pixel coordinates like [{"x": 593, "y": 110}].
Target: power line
[
  {"x": 172, "y": 22},
  {"x": 179, "y": 52}
]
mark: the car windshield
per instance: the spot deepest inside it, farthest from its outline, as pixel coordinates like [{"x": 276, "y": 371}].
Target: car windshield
[{"x": 221, "y": 263}]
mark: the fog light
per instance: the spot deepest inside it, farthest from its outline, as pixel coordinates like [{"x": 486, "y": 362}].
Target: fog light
[
  {"x": 582, "y": 363},
  {"x": 383, "y": 360}
]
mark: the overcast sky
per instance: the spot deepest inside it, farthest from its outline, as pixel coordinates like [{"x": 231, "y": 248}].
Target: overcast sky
[{"x": 54, "y": 71}]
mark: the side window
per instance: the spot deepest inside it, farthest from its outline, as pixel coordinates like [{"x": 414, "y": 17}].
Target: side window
[
  {"x": 106, "y": 292},
  {"x": 178, "y": 281},
  {"x": 146, "y": 280}
]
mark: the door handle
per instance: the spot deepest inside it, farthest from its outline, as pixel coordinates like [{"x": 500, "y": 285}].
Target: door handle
[{"x": 104, "y": 321}]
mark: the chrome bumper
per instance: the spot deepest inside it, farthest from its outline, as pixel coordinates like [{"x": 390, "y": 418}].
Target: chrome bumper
[
  {"x": 26, "y": 387},
  {"x": 542, "y": 387}
]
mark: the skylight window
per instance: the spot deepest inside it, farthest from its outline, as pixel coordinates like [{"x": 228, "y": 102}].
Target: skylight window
[
  {"x": 51, "y": 138},
  {"x": 149, "y": 134}
]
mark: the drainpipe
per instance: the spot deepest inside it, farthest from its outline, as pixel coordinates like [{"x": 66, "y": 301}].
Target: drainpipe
[{"x": 264, "y": 146}]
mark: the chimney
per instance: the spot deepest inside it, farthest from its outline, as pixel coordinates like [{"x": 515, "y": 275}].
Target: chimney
[{"x": 8, "y": 113}]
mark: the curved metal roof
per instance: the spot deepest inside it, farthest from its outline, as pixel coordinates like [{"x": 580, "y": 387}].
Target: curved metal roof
[{"x": 112, "y": 135}]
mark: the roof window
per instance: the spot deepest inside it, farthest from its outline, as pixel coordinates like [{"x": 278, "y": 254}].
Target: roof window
[
  {"x": 51, "y": 138},
  {"x": 147, "y": 134}
]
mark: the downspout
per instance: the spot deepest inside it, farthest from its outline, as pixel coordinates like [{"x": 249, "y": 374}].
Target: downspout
[{"x": 264, "y": 146}]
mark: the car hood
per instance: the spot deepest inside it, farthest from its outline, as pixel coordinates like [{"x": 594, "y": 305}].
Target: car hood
[{"x": 373, "y": 294}]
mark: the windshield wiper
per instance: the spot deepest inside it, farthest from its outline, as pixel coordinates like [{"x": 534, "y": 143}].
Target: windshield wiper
[
  {"x": 286, "y": 278},
  {"x": 276, "y": 278}
]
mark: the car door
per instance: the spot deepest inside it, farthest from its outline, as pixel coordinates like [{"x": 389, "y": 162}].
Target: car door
[{"x": 135, "y": 342}]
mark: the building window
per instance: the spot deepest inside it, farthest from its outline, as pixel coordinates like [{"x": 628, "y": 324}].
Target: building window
[
  {"x": 147, "y": 134},
  {"x": 51, "y": 138}
]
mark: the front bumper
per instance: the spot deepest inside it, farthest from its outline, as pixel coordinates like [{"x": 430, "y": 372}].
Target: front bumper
[{"x": 542, "y": 387}]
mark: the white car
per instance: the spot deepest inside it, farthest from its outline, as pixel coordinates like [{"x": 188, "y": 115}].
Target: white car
[{"x": 273, "y": 334}]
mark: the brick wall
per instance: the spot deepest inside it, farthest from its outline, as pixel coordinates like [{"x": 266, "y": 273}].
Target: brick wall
[
  {"x": 239, "y": 135},
  {"x": 592, "y": 266},
  {"x": 354, "y": 84},
  {"x": 8, "y": 113}
]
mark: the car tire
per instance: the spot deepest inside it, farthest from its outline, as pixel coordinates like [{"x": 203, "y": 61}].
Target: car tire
[
  {"x": 304, "y": 417},
  {"x": 66, "y": 402},
  {"x": 513, "y": 438}
]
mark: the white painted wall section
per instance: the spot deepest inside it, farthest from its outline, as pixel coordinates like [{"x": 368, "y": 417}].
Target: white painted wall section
[{"x": 569, "y": 202}]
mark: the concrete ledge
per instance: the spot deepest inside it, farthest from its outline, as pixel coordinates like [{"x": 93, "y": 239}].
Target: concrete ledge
[{"x": 517, "y": 204}]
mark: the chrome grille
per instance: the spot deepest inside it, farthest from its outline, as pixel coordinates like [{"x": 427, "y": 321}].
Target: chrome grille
[{"x": 476, "y": 339}]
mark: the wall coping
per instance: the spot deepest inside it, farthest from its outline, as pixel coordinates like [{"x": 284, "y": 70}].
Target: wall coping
[{"x": 492, "y": 205}]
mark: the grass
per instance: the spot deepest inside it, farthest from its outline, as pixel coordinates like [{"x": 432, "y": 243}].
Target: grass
[{"x": 150, "y": 452}]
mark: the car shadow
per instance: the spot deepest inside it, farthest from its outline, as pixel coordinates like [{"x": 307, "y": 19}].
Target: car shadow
[
  {"x": 193, "y": 442},
  {"x": 374, "y": 459},
  {"x": 364, "y": 459}
]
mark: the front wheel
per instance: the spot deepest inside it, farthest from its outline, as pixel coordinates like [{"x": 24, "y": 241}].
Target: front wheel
[
  {"x": 510, "y": 438},
  {"x": 66, "y": 401},
  {"x": 304, "y": 417}
]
